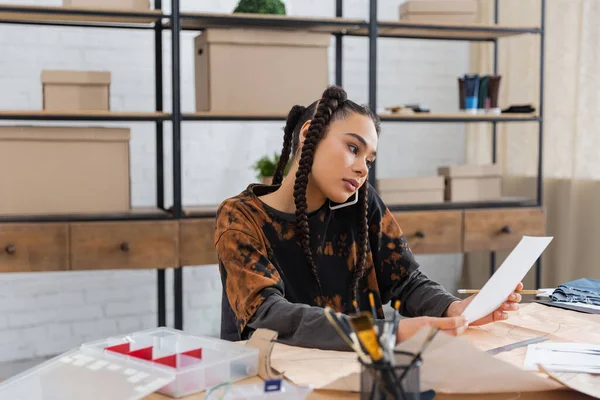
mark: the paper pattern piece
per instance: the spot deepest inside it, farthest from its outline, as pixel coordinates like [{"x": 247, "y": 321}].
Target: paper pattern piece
[
  {"x": 453, "y": 365},
  {"x": 504, "y": 281},
  {"x": 583, "y": 383},
  {"x": 264, "y": 340},
  {"x": 322, "y": 369}
]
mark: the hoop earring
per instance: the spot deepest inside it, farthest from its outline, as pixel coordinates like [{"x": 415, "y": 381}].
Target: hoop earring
[{"x": 353, "y": 202}]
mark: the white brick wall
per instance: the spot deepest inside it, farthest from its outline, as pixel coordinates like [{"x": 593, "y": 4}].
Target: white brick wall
[{"x": 46, "y": 313}]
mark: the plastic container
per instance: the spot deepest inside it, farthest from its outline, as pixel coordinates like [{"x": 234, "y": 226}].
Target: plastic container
[
  {"x": 198, "y": 362},
  {"x": 284, "y": 391},
  {"x": 76, "y": 375},
  {"x": 131, "y": 367}
]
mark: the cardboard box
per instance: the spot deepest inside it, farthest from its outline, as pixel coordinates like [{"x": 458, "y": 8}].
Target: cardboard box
[
  {"x": 416, "y": 190},
  {"x": 58, "y": 170},
  {"x": 129, "y": 5},
  {"x": 472, "y": 182},
  {"x": 76, "y": 90},
  {"x": 252, "y": 71},
  {"x": 439, "y": 11}
]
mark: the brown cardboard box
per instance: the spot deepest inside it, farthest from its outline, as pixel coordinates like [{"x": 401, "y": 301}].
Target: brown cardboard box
[
  {"x": 57, "y": 170},
  {"x": 472, "y": 182},
  {"x": 253, "y": 71},
  {"x": 76, "y": 90},
  {"x": 439, "y": 11},
  {"x": 411, "y": 190},
  {"x": 129, "y": 5}
]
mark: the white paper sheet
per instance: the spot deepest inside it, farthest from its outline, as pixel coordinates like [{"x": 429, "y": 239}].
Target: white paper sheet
[
  {"x": 504, "y": 281},
  {"x": 564, "y": 357}
]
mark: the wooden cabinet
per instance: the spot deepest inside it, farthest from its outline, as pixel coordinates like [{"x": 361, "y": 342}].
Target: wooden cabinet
[
  {"x": 124, "y": 245},
  {"x": 501, "y": 229},
  {"x": 430, "y": 232},
  {"x": 197, "y": 241},
  {"x": 30, "y": 247}
]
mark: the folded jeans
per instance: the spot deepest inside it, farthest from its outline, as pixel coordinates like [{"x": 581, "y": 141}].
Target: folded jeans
[{"x": 582, "y": 290}]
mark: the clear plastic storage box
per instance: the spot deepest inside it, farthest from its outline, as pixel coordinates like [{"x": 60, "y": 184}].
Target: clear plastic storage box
[
  {"x": 130, "y": 367},
  {"x": 198, "y": 362}
]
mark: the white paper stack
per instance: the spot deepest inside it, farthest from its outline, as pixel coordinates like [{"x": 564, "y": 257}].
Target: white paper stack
[{"x": 564, "y": 357}]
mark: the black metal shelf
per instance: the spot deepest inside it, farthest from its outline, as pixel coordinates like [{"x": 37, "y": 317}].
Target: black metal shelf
[
  {"x": 80, "y": 17},
  {"x": 458, "y": 117},
  {"x": 200, "y": 21},
  {"x": 83, "y": 116},
  {"x": 210, "y": 116},
  {"x": 506, "y": 202},
  {"x": 178, "y": 21},
  {"x": 136, "y": 214},
  {"x": 439, "y": 31}
]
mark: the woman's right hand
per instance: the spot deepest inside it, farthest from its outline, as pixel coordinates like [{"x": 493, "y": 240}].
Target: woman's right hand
[{"x": 451, "y": 325}]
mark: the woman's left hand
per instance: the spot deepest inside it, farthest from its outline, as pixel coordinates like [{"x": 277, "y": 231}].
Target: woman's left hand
[{"x": 500, "y": 314}]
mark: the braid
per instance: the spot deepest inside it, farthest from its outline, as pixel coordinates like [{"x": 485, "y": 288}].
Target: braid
[
  {"x": 332, "y": 98},
  {"x": 288, "y": 132},
  {"x": 363, "y": 244}
]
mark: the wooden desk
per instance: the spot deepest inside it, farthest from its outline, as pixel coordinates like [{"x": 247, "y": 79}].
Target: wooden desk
[{"x": 528, "y": 317}]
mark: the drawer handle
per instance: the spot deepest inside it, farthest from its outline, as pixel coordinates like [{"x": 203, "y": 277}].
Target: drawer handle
[
  {"x": 506, "y": 229},
  {"x": 125, "y": 246},
  {"x": 420, "y": 234},
  {"x": 10, "y": 249}
]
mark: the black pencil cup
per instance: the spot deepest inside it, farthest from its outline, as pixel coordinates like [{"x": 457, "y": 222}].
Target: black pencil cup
[{"x": 400, "y": 381}]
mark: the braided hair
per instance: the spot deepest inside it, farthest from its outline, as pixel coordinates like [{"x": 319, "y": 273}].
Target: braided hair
[{"x": 332, "y": 106}]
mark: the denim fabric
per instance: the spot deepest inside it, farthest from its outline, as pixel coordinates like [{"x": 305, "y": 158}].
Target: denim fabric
[{"x": 578, "y": 291}]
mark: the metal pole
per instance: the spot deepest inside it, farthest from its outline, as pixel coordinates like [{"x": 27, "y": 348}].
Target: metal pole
[
  {"x": 373, "y": 33},
  {"x": 160, "y": 183},
  {"x": 540, "y": 188},
  {"x": 177, "y": 273},
  {"x": 338, "y": 45},
  {"x": 494, "y": 125}
]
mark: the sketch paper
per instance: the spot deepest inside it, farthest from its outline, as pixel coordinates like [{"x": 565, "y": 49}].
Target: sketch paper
[{"x": 504, "y": 281}]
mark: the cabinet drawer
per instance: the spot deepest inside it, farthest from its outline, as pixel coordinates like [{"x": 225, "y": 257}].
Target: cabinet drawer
[
  {"x": 34, "y": 247},
  {"x": 431, "y": 232},
  {"x": 491, "y": 230},
  {"x": 197, "y": 241},
  {"x": 124, "y": 245}
]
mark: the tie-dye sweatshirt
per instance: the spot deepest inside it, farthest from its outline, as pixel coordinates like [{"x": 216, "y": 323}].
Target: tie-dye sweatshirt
[{"x": 267, "y": 282}]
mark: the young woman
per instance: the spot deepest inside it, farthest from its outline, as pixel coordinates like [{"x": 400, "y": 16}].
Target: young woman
[{"x": 323, "y": 237}]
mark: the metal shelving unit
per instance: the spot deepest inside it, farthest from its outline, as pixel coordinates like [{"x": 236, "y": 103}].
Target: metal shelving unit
[{"x": 178, "y": 21}]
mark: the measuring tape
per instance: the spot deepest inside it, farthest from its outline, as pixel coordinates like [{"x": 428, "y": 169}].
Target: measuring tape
[{"x": 516, "y": 345}]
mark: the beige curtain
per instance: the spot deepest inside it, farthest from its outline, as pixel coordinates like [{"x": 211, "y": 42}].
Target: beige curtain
[{"x": 571, "y": 137}]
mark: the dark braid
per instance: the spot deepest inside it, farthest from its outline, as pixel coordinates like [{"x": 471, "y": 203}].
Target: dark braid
[
  {"x": 332, "y": 105},
  {"x": 363, "y": 245},
  {"x": 330, "y": 101},
  {"x": 288, "y": 132}
]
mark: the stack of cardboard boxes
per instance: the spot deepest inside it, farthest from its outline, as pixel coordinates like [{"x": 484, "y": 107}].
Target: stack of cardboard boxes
[
  {"x": 67, "y": 169},
  {"x": 454, "y": 183}
]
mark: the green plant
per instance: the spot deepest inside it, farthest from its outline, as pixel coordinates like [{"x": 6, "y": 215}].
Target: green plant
[
  {"x": 261, "y": 7},
  {"x": 266, "y": 166}
]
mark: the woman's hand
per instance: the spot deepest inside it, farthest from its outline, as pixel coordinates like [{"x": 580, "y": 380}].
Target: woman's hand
[
  {"x": 451, "y": 325},
  {"x": 500, "y": 314}
]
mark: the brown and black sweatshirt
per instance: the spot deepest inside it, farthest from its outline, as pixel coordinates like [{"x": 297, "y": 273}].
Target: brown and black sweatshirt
[{"x": 267, "y": 282}]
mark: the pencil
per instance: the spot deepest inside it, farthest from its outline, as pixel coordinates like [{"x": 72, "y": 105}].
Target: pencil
[
  {"x": 473, "y": 291},
  {"x": 372, "y": 302},
  {"x": 356, "y": 309}
]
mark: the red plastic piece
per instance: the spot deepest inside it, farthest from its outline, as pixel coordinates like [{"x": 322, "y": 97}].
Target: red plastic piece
[
  {"x": 144, "y": 354},
  {"x": 119, "y": 348},
  {"x": 196, "y": 353},
  {"x": 169, "y": 361}
]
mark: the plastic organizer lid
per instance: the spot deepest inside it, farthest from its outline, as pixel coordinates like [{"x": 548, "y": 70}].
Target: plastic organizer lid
[{"x": 76, "y": 375}]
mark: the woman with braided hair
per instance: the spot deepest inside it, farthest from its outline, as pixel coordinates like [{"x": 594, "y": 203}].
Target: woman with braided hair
[{"x": 323, "y": 237}]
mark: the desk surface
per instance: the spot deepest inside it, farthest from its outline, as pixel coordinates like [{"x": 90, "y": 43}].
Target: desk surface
[{"x": 527, "y": 318}]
